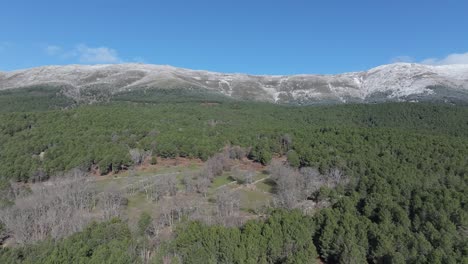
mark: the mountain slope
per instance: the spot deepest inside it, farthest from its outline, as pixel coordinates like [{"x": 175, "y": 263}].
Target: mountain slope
[{"x": 394, "y": 82}]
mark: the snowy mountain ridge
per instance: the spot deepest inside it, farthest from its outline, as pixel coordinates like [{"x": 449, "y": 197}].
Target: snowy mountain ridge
[{"x": 393, "y": 82}]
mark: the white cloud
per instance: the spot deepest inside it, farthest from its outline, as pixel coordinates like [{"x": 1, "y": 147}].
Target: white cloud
[
  {"x": 85, "y": 54},
  {"x": 455, "y": 58},
  {"x": 97, "y": 55},
  {"x": 402, "y": 59},
  {"x": 53, "y": 50}
]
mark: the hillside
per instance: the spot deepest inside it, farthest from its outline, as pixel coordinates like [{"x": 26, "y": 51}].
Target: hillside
[
  {"x": 175, "y": 167},
  {"x": 394, "y": 82},
  {"x": 234, "y": 182}
]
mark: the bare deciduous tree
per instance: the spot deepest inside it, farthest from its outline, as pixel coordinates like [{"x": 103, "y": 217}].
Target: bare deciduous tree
[
  {"x": 242, "y": 176},
  {"x": 155, "y": 188},
  {"x": 55, "y": 208},
  {"x": 293, "y": 186},
  {"x": 289, "y": 184},
  {"x": 228, "y": 208},
  {"x": 215, "y": 165},
  {"x": 189, "y": 183},
  {"x": 202, "y": 184},
  {"x": 236, "y": 152},
  {"x": 228, "y": 203},
  {"x": 313, "y": 180},
  {"x": 336, "y": 177},
  {"x": 138, "y": 156},
  {"x": 110, "y": 204}
]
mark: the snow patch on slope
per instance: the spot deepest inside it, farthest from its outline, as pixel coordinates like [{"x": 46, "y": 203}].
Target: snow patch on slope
[{"x": 394, "y": 81}]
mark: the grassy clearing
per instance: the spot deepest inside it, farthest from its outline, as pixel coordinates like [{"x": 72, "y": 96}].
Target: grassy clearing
[
  {"x": 260, "y": 176},
  {"x": 137, "y": 204},
  {"x": 267, "y": 186},
  {"x": 221, "y": 180},
  {"x": 253, "y": 199}
]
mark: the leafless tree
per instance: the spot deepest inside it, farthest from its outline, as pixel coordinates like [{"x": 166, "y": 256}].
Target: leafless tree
[
  {"x": 138, "y": 156},
  {"x": 201, "y": 210},
  {"x": 170, "y": 182},
  {"x": 313, "y": 180},
  {"x": 278, "y": 169},
  {"x": 189, "y": 183},
  {"x": 155, "y": 188},
  {"x": 56, "y": 208},
  {"x": 293, "y": 186},
  {"x": 336, "y": 177},
  {"x": 14, "y": 190},
  {"x": 215, "y": 165},
  {"x": 202, "y": 184},
  {"x": 110, "y": 204},
  {"x": 289, "y": 184},
  {"x": 242, "y": 176},
  {"x": 228, "y": 203},
  {"x": 236, "y": 152},
  {"x": 59, "y": 207},
  {"x": 249, "y": 176},
  {"x": 228, "y": 208}
]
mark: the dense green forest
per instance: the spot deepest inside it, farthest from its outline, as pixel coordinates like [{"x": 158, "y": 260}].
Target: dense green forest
[
  {"x": 348, "y": 135},
  {"x": 107, "y": 242},
  {"x": 406, "y": 200},
  {"x": 33, "y": 99}
]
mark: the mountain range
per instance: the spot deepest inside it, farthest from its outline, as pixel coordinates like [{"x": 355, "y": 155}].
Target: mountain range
[{"x": 393, "y": 82}]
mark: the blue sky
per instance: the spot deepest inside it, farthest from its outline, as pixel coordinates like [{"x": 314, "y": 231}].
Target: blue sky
[{"x": 257, "y": 37}]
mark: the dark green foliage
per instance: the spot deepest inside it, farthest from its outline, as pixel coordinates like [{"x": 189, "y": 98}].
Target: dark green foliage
[
  {"x": 99, "y": 243},
  {"x": 406, "y": 201},
  {"x": 324, "y": 137},
  {"x": 144, "y": 223},
  {"x": 261, "y": 153},
  {"x": 174, "y": 95},
  {"x": 33, "y": 99},
  {"x": 286, "y": 237},
  {"x": 293, "y": 159}
]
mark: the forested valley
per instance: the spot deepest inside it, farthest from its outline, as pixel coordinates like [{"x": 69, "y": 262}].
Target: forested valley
[{"x": 224, "y": 181}]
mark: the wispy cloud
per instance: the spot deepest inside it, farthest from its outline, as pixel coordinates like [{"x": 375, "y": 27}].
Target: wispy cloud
[
  {"x": 97, "y": 55},
  {"x": 455, "y": 58},
  {"x": 83, "y": 53}
]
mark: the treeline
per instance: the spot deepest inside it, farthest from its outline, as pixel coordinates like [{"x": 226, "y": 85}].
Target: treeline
[
  {"x": 36, "y": 98},
  {"x": 283, "y": 238},
  {"x": 393, "y": 177},
  {"x": 373, "y": 218},
  {"x": 108, "y": 242},
  {"x": 36, "y": 145},
  {"x": 340, "y": 234}
]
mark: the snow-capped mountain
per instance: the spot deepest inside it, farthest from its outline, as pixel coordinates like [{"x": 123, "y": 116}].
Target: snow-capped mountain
[{"x": 393, "y": 82}]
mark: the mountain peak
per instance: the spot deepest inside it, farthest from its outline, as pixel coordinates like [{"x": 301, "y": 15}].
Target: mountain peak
[{"x": 398, "y": 81}]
